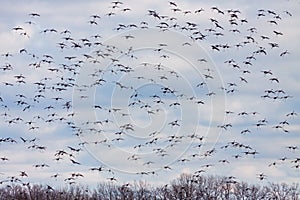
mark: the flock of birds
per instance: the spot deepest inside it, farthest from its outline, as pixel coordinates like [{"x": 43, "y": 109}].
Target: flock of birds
[{"x": 40, "y": 86}]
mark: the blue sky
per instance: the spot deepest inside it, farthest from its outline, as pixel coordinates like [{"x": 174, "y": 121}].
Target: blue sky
[{"x": 163, "y": 94}]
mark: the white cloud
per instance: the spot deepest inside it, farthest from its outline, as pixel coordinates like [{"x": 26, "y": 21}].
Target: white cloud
[{"x": 270, "y": 143}]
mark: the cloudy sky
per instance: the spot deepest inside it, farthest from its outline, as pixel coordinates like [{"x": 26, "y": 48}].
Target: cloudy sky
[{"x": 147, "y": 91}]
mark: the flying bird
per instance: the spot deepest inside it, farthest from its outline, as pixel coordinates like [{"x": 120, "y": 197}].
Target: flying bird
[{"x": 69, "y": 90}]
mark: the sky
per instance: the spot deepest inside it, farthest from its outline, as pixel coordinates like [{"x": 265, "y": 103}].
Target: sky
[{"x": 128, "y": 91}]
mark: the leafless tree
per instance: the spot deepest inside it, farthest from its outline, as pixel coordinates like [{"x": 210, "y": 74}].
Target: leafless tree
[{"x": 186, "y": 186}]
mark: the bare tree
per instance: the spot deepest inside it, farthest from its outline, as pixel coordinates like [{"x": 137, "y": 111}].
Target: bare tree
[{"x": 187, "y": 186}]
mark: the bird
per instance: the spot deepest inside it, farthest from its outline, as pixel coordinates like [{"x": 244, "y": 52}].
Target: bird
[
  {"x": 266, "y": 72},
  {"x": 150, "y": 102},
  {"x": 278, "y": 33},
  {"x": 75, "y": 162},
  {"x": 243, "y": 79},
  {"x": 274, "y": 79},
  {"x": 34, "y": 14},
  {"x": 112, "y": 179},
  {"x": 245, "y": 131},
  {"x": 293, "y": 113},
  {"x": 261, "y": 176},
  {"x": 23, "y": 174},
  {"x": 284, "y": 53},
  {"x": 223, "y": 161}
]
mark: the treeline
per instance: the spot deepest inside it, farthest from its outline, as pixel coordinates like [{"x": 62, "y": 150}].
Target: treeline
[{"x": 185, "y": 187}]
